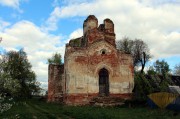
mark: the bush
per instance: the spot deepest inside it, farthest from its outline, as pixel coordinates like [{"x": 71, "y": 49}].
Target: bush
[{"x": 5, "y": 103}]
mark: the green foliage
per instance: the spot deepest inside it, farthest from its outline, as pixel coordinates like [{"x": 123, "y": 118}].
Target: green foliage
[
  {"x": 55, "y": 59},
  {"x": 142, "y": 87},
  {"x": 161, "y": 67},
  {"x": 151, "y": 71},
  {"x": 147, "y": 84},
  {"x": 6, "y": 103},
  {"x": 177, "y": 69},
  {"x": 9, "y": 86},
  {"x": 165, "y": 82},
  {"x": 76, "y": 42},
  {"x": 160, "y": 70},
  {"x": 17, "y": 70}
]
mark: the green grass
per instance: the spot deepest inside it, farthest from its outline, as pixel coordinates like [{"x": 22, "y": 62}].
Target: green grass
[{"x": 34, "y": 109}]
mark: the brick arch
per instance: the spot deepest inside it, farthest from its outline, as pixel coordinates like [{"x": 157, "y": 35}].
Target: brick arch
[
  {"x": 101, "y": 66},
  {"x": 103, "y": 82}
]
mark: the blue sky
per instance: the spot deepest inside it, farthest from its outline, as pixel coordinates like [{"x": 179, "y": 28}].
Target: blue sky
[{"x": 43, "y": 27}]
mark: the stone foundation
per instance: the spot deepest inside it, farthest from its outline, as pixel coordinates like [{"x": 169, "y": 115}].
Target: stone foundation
[{"x": 88, "y": 99}]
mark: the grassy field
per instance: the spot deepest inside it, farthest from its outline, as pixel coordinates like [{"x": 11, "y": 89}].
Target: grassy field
[{"x": 34, "y": 109}]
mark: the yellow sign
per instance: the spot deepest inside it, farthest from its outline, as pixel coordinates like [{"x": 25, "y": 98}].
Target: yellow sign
[{"x": 162, "y": 99}]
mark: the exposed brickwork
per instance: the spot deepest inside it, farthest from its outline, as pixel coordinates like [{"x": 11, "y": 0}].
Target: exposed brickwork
[
  {"x": 83, "y": 60},
  {"x": 55, "y": 82}
]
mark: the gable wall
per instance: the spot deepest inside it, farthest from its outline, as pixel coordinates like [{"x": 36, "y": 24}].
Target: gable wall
[
  {"x": 84, "y": 59},
  {"x": 82, "y": 70}
]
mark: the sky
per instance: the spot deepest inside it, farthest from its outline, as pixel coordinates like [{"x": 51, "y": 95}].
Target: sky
[{"x": 43, "y": 27}]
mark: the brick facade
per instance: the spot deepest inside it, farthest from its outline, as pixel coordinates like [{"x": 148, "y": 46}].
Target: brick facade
[{"x": 84, "y": 59}]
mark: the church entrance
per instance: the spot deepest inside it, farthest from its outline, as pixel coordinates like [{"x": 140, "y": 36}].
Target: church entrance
[{"x": 103, "y": 82}]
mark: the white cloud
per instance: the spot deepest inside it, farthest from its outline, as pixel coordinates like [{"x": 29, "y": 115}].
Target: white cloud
[
  {"x": 37, "y": 44},
  {"x": 157, "y": 23},
  {"x": 12, "y": 3},
  {"x": 61, "y": 11},
  {"x": 77, "y": 33},
  {"x": 51, "y": 23},
  {"x": 3, "y": 24},
  {"x": 156, "y": 3}
]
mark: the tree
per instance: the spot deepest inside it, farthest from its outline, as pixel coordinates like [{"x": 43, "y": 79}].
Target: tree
[
  {"x": 140, "y": 53},
  {"x": 125, "y": 45},
  {"x": 151, "y": 71},
  {"x": 142, "y": 87},
  {"x": 17, "y": 67},
  {"x": 138, "y": 49},
  {"x": 7, "y": 86},
  {"x": 161, "y": 67},
  {"x": 55, "y": 59},
  {"x": 177, "y": 69}
]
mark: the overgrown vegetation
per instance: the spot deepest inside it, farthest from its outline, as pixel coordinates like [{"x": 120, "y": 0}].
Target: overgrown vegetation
[
  {"x": 158, "y": 76},
  {"x": 177, "y": 69},
  {"x": 16, "y": 78},
  {"x": 55, "y": 59},
  {"x": 157, "y": 79},
  {"x": 75, "y": 42},
  {"x": 147, "y": 84},
  {"x": 31, "y": 109}
]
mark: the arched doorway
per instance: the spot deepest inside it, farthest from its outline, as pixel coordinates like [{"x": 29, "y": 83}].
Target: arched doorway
[{"x": 103, "y": 82}]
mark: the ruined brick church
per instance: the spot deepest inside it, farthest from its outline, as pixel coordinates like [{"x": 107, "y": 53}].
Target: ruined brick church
[{"x": 92, "y": 68}]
